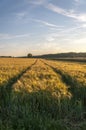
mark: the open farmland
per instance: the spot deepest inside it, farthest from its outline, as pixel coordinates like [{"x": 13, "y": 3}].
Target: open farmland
[{"x": 37, "y": 94}]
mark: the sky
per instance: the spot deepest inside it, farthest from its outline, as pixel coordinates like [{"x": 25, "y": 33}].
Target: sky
[{"x": 42, "y": 26}]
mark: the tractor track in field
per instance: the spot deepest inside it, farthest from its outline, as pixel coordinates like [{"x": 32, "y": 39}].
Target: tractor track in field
[
  {"x": 74, "y": 87},
  {"x": 73, "y": 84},
  {"x": 6, "y": 91},
  {"x": 8, "y": 87}
]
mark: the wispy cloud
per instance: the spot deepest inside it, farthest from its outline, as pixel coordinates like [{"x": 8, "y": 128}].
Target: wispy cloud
[
  {"x": 9, "y": 36},
  {"x": 47, "y": 23},
  {"x": 37, "y": 2},
  {"x": 74, "y": 29},
  {"x": 66, "y": 34},
  {"x": 77, "y": 1},
  {"x": 67, "y": 13},
  {"x": 20, "y": 15}
]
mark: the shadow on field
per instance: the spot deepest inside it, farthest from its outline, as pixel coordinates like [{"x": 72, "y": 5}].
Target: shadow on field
[{"x": 77, "y": 89}]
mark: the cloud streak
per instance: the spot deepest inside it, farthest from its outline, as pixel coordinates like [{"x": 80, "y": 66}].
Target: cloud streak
[
  {"x": 37, "y": 2},
  {"x": 47, "y": 23},
  {"x": 21, "y": 15},
  {"x": 67, "y": 13},
  {"x": 9, "y": 36}
]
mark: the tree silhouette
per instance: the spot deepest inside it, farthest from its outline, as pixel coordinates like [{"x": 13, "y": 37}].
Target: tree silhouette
[{"x": 29, "y": 55}]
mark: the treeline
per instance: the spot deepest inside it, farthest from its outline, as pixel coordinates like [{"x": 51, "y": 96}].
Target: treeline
[
  {"x": 62, "y": 55},
  {"x": 6, "y": 57},
  {"x": 69, "y": 55}
]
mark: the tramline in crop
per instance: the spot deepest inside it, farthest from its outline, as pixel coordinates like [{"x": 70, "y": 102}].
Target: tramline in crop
[
  {"x": 38, "y": 94},
  {"x": 12, "y": 67}
]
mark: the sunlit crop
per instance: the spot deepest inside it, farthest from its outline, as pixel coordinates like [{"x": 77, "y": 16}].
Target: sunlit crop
[
  {"x": 77, "y": 70},
  {"x": 38, "y": 94},
  {"x": 12, "y": 67}
]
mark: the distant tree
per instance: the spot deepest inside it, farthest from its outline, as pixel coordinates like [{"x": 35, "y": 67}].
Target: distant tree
[{"x": 29, "y": 55}]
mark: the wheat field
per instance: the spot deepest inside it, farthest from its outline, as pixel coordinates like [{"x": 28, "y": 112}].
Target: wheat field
[{"x": 38, "y": 94}]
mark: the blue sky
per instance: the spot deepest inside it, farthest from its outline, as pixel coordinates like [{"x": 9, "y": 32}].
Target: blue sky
[{"x": 42, "y": 26}]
